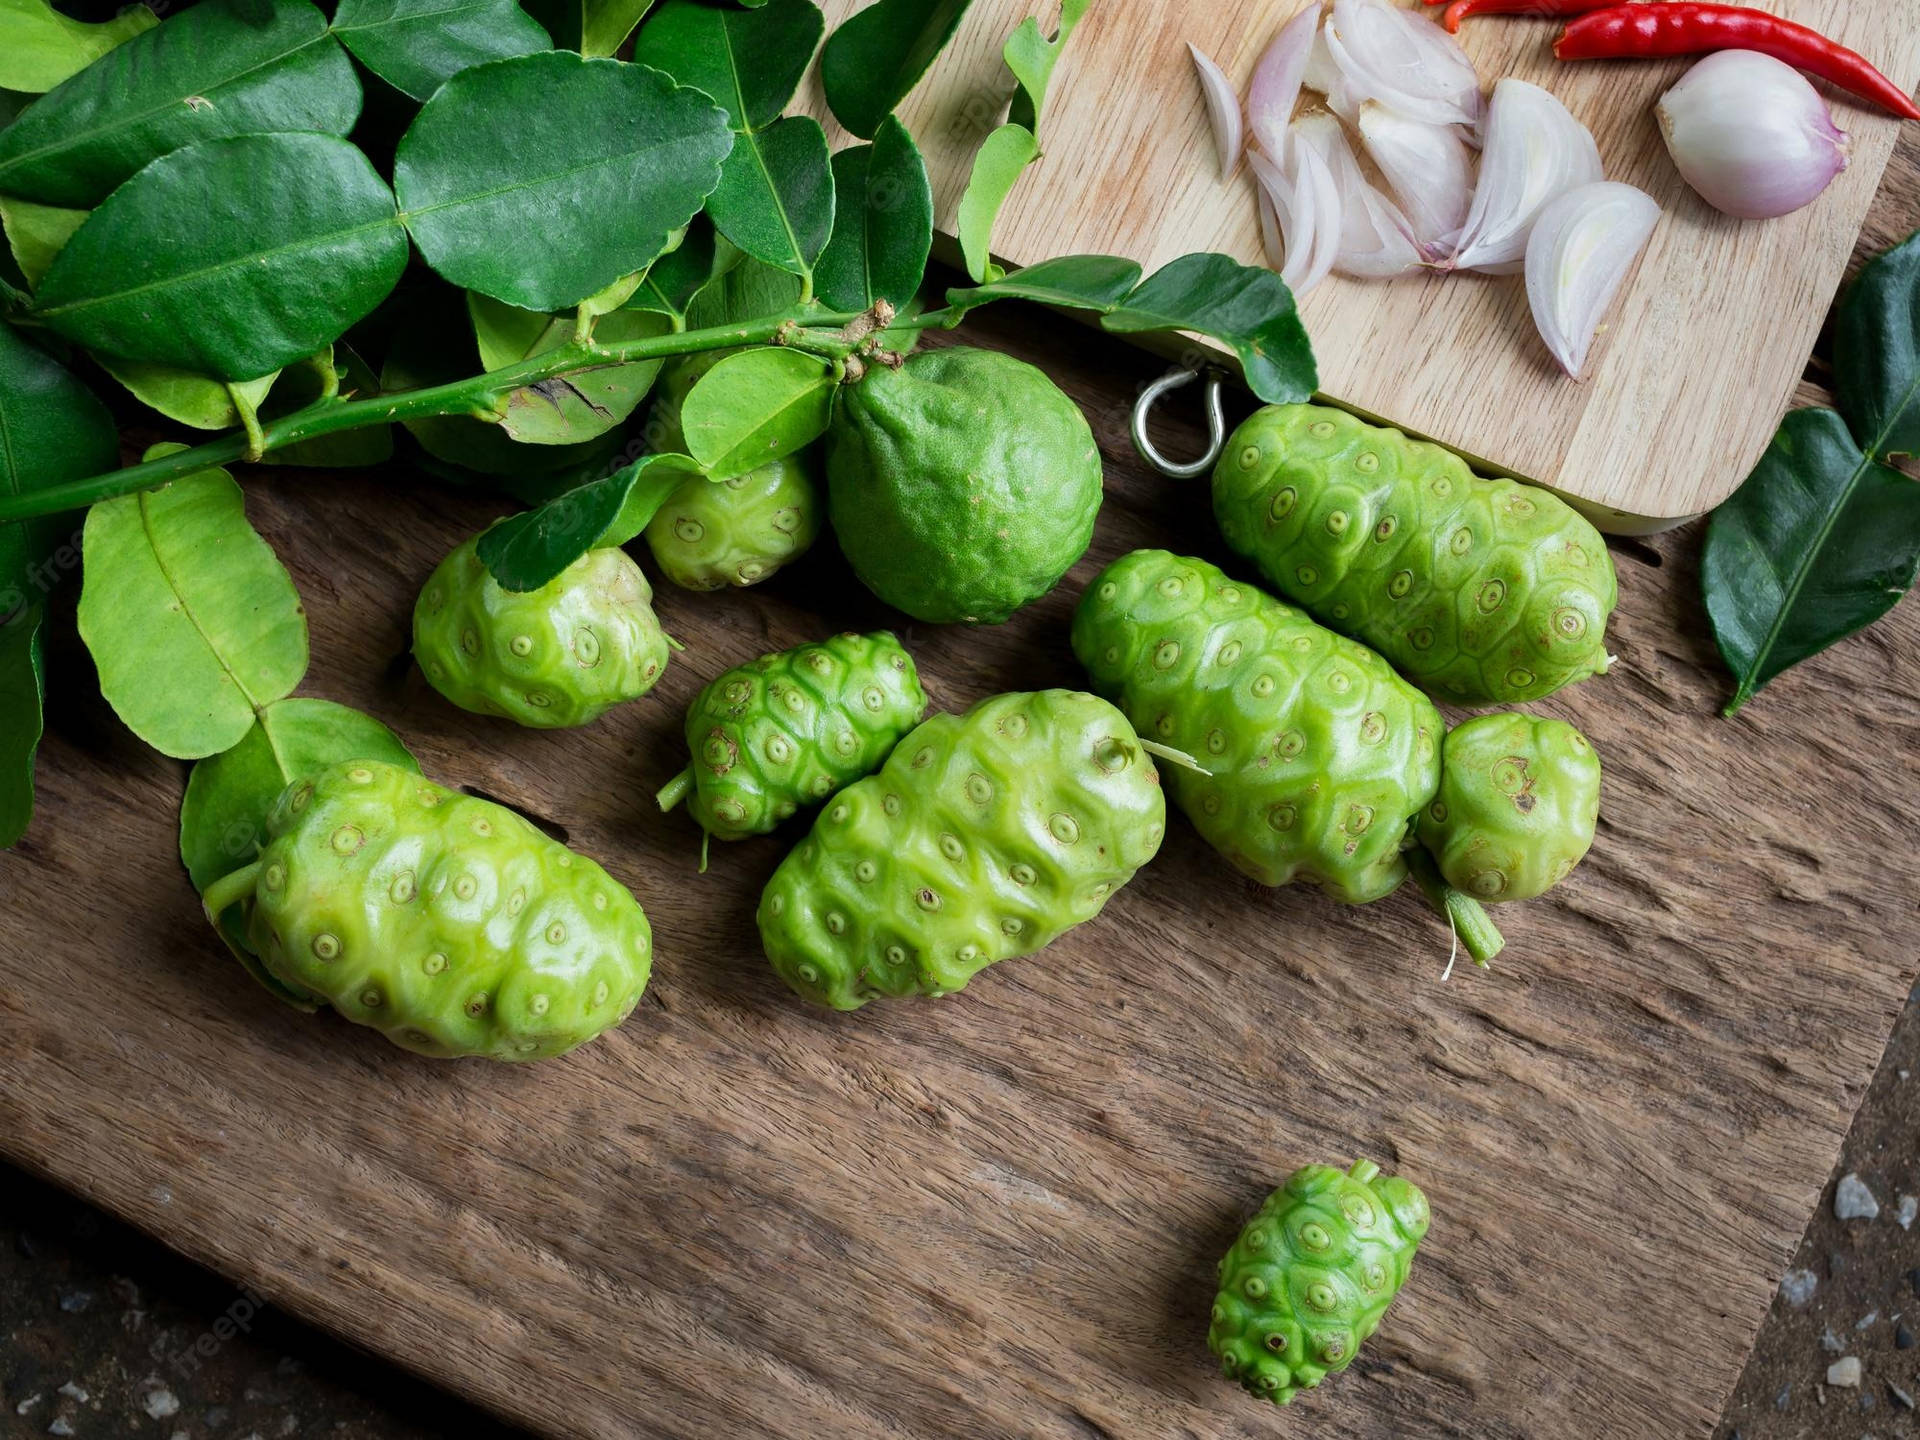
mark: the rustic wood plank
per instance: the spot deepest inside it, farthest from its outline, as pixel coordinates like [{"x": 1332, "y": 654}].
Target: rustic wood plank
[
  {"x": 999, "y": 1214},
  {"x": 1717, "y": 320}
]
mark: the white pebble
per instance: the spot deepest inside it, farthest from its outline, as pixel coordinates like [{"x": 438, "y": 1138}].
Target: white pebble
[
  {"x": 27, "y": 1404},
  {"x": 75, "y": 1392},
  {"x": 161, "y": 1403},
  {"x": 1797, "y": 1287},
  {"x": 1909, "y": 1211},
  {"x": 60, "y": 1427},
  {"x": 1844, "y": 1374},
  {"x": 1852, "y": 1200}
]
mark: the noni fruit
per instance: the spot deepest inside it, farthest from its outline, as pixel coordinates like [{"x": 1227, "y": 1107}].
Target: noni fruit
[
  {"x": 1317, "y": 755},
  {"x": 1519, "y": 799},
  {"x": 1311, "y": 1276},
  {"x": 788, "y": 730},
  {"x": 734, "y": 532},
  {"x": 1479, "y": 591},
  {"x": 559, "y": 656},
  {"x": 962, "y": 485},
  {"x": 448, "y": 923},
  {"x": 984, "y": 837}
]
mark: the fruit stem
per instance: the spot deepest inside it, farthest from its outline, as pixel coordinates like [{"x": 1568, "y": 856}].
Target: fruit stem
[
  {"x": 1472, "y": 926},
  {"x": 229, "y": 890},
  {"x": 675, "y": 790},
  {"x": 221, "y": 896},
  {"x": 1364, "y": 1170}
]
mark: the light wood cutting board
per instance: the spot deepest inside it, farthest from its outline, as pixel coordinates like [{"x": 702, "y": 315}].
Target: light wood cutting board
[{"x": 1702, "y": 352}]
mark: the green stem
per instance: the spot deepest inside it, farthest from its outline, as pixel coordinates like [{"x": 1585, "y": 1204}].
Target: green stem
[
  {"x": 1469, "y": 918},
  {"x": 675, "y": 790},
  {"x": 482, "y": 396}
]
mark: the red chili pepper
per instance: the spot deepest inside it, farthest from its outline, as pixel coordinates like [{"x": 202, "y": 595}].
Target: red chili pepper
[
  {"x": 1681, "y": 27},
  {"x": 1459, "y": 10}
]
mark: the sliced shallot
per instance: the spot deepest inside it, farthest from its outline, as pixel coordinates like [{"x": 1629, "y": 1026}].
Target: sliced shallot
[
  {"x": 1307, "y": 206},
  {"x": 1223, "y": 109},
  {"x": 1582, "y": 246},
  {"x": 1276, "y": 80},
  {"x": 1376, "y": 242},
  {"x": 1404, "y": 61},
  {"x": 1430, "y": 169},
  {"x": 1324, "y": 76},
  {"x": 1535, "y": 153}
]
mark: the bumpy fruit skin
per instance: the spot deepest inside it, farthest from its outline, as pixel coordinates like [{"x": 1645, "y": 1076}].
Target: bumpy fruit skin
[
  {"x": 1481, "y": 592},
  {"x": 984, "y": 838},
  {"x": 1320, "y": 755},
  {"x": 787, "y": 730},
  {"x": 1519, "y": 799},
  {"x": 448, "y": 923},
  {"x": 735, "y": 532},
  {"x": 712, "y": 534},
  {"x": 552, "y": 658},
  {"x": 1308, "y": 1280},
  {"x": 962, "y": 485}
]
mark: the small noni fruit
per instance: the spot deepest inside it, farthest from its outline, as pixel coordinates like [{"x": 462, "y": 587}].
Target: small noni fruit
[
  {"x": 1310, "y": 1277},
  {"x": 1319, "y": 756},
  {"x": 1479, "y": 591},
  {"x": 710, "y": 535},
  {"x": 787, "y": 730},
  {"x": 552, "y": 658},
  {"x": 1519, "y": 799},
  {"x": 984, "y": 837},
  {"x": 446, "y": 922}
]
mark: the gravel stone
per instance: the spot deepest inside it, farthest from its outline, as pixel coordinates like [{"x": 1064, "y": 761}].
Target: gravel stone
[
  {"x": 1830, "y": 1342},
  {"x": 1909, "y": 1211},
  {"x": 1900, "y": 1397},
  {"x": 1903, "y": 1337},
  {"x": 1797, "y": 1287},
  {"x": 1844, "y": 1373},
  {"x": 1852, "y": 1200}
]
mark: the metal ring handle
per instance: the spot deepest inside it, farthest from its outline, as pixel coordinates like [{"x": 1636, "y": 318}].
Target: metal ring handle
[{"x": 1216, "y": 423}]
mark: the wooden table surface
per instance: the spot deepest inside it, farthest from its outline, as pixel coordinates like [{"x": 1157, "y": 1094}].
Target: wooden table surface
[{"x": 998, "y": 1215}]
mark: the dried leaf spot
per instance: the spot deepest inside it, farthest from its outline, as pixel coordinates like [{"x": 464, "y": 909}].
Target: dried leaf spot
[
  {"x": 927, "y": 898},
  {"x": 836, "y": 923},
  {"x": 470, "y": 640},
  {"x": 1384, "y": 530},
  {"x": 1421, "y": 638}
]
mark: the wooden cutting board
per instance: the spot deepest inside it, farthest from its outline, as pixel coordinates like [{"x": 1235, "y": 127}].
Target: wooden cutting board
[
  {"x": 998, "y": 1215},
  {"x": 1701, "y": 354}
]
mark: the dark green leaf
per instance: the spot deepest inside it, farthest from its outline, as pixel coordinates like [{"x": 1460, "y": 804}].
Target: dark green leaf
[
  {"x": 1876, "y": 353},
  {"x": 747, "y": 290},
  {"x": 531, "y": 549},
  {"x": 37, "y": 233},
  {"x": 191, "y": 619},
  {"x": 776, "y": 200},
  {"x": 749, "y": 61},
  {"x": 754, "y": 407},
  {"x": 220, "y": 68},
  {"x": 1820, "y": 542},
  {"x": 876, "y": 57},
  {"x": 1080, "y": 282},
  {"x": 1032, "y": 58},
  {"x": 676, "y": 278},
  {"x": 223, "y": 818},
  {"x": 588, "y": 167},
  {"x": 415, "y": 45},
  {"x": 230, "y": 258},
  {"x": 1250, "y": 310},
  {"x": 1002, "y": 160},
  {"x": 22, "y": 689},
  {"x": 883, "y": 230},
  {"x": 52, "y": 429},
  {"x": 43, "y": 47}
]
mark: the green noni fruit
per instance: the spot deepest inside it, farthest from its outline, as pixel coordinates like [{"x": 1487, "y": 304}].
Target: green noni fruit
[
  {"x": 1319, "y": 756},
  {"x": 1519, "y": 799},
  {"x": 712, "y": 534},
  {"x": 734, "y": 532},
  {"x": 559, "y": 656},
  {"x": 1311, "y": 1276},
  {"x": 984, "y": 837},
  {"x": 787, "y": 730},
  {"x": 448, "y": 923},
  {"x": 962, "y": 485},
  {"x": 1479, "y": 591}
]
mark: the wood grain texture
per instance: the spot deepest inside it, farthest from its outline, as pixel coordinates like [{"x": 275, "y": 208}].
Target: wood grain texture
[{"x": 1716, "y": 321}]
